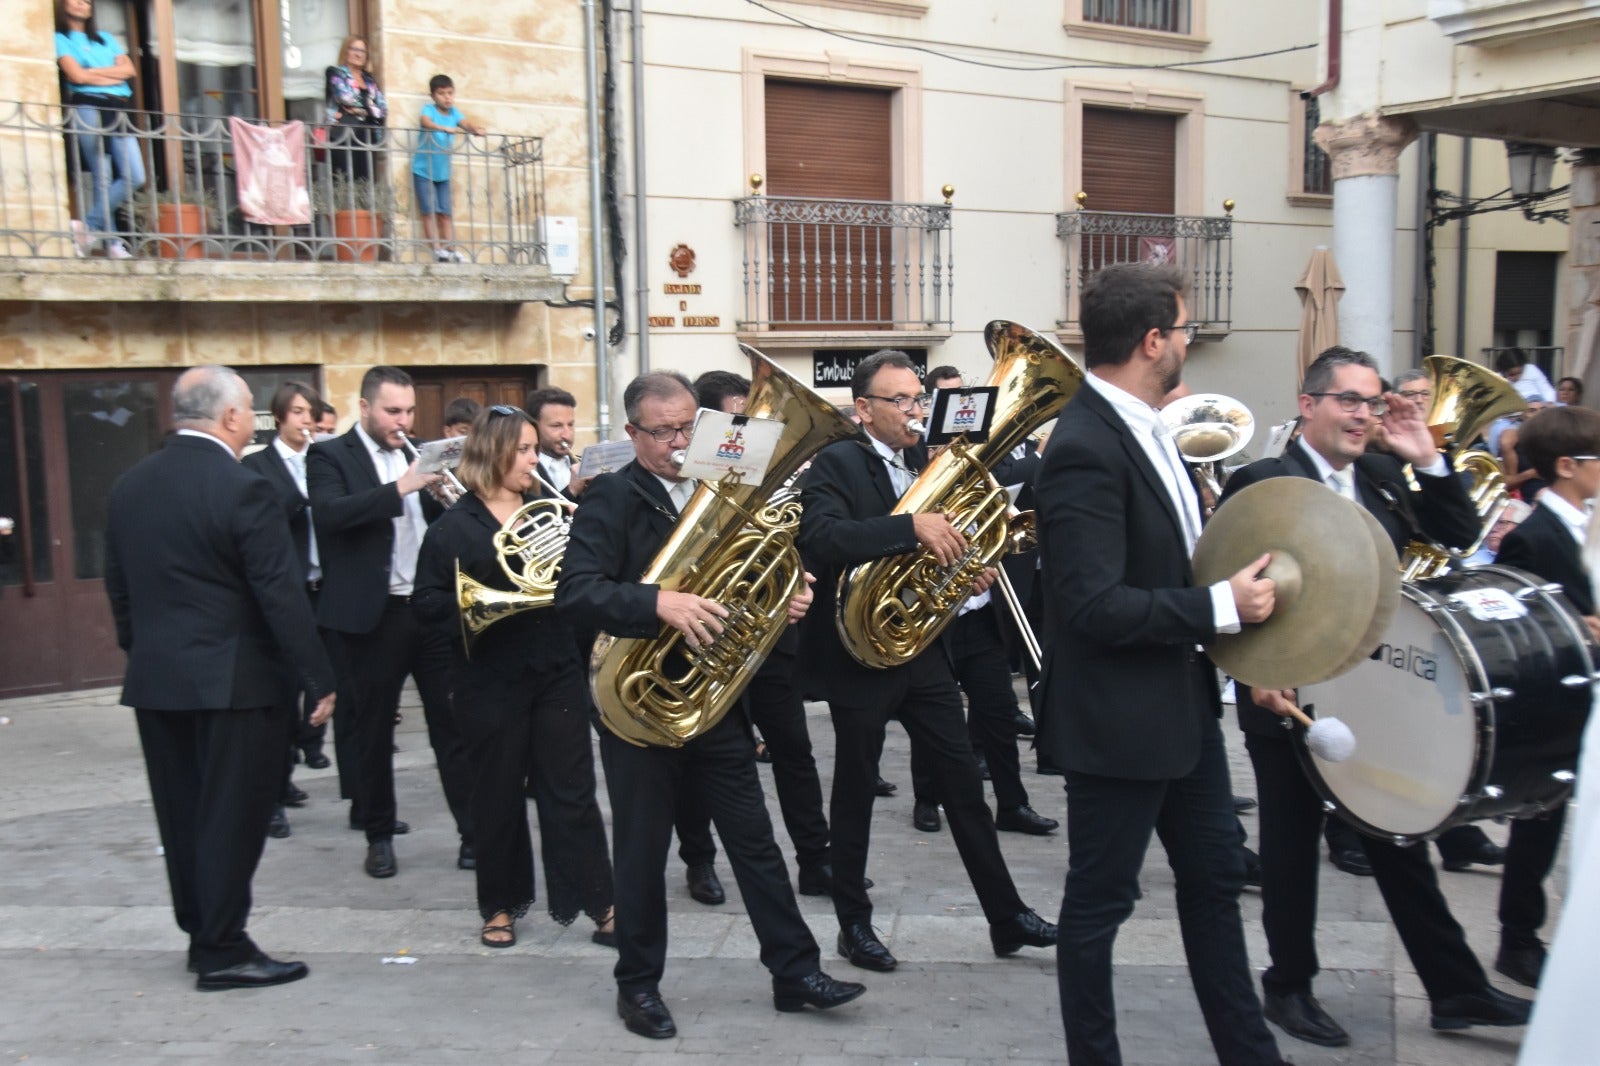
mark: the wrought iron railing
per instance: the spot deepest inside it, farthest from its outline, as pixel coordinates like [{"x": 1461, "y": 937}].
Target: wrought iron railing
[
  {"x": 1169, "y": 16},
  {"x": 1202, "y": 246},
  {"x": 1316, "y": 171},
  {"x": 845, "y": 264},
  {"x": 125, "y": 184}
]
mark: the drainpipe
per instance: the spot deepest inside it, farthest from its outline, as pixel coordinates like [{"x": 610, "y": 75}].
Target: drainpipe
[
  {"x": 602, "y": 356},
  {"x": 1421, "y": 297},
  {"x": 641, "y": 261},
  {"x": 1461, "y": 251},
  {"x": 1335, "y": 49}
]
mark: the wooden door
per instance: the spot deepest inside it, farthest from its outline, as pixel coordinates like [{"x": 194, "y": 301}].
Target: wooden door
[{"x": 487, "y": 385}]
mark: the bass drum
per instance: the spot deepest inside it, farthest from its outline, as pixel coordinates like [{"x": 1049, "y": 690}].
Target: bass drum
[{"x": 1472, "y": 707}]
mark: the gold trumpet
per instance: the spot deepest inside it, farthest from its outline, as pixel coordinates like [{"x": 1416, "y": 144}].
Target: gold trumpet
[{"x": 530, "y": 546}]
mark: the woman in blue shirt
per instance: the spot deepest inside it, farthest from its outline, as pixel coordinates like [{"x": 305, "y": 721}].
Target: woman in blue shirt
[{"x": 97, "y": 70}]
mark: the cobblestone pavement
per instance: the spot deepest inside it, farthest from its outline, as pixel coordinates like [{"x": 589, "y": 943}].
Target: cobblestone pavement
[{"x": 95, "y": 968}]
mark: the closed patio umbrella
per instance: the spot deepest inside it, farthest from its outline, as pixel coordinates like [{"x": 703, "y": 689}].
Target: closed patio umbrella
[{"x": 1320, "y": 287}]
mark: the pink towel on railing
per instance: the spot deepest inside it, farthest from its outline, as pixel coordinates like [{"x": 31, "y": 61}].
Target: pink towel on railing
[{"x": 271, "y": 164}]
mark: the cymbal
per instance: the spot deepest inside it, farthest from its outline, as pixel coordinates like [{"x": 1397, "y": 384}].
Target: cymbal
[{"x": 1335, "y": 590}]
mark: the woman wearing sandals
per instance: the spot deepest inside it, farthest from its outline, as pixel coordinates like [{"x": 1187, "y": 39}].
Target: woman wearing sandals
[{"x": 518, "y": 701}]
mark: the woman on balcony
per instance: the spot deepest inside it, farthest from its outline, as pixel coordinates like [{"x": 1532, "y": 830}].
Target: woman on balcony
[
  {"x": 95, "y": 72},
  {"x": 356, "y": 109}
]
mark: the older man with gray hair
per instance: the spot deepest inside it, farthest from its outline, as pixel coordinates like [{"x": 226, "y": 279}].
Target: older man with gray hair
[{"x": 211, "y": 609}]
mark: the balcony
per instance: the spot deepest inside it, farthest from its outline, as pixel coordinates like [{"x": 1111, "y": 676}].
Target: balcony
[
  {"x": 1202, "y": 246},
  {"x": 1162, "y": 16},
  {"x": 1493, "y": 23},
  {"x": 308, "y": 214},
  {"x": 815, "y": 266}
]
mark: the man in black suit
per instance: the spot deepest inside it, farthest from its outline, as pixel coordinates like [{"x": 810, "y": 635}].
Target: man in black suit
[
  {"x": 1129, "y": 704},
  {"x": 371, "y": 513},
  {"x": 282, "y": 462},
  {"x": 209, "y": 604},
  {"x": 1562, "y": 443},
  {"x": 623, "y": 522},
  {"x": 848, "y": 493},
  {"x": 1343, "y": 409},
  {"x": 555, "y": 416}
]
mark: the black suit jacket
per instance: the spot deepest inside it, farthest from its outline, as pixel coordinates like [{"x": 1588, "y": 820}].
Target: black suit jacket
[
  {"x": 1440, "y": 510},
  {"x": 270, "y": 465},
  {"x": 355, "y": 512},
  {"x": 622, "y": 522},
  {"x": 205, "y": 589},
  {"x": 847, "y": 495},
  {"x": 1124, "y": 692},
  {"x": 1542, "y": 546}
]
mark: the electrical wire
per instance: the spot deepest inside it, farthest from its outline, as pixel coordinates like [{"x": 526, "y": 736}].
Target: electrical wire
[{"x": 904, "y": 46}]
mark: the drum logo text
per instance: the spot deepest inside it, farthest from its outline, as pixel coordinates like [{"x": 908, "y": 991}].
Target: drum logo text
[{"x": 1411, "y": 659}]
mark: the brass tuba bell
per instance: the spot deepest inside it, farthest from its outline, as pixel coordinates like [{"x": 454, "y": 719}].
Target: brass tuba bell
[
  {"x": 734, "y": 543},
  {"x": 890, "y": 609}
]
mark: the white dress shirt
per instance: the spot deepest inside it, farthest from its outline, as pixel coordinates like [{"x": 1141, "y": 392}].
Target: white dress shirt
[
  {"x": 410, "y": 526},
  {"x": 1576, "y": 520},
  {"x": 557, "y": 471},
  {"x": 296, "y": 462},
  {"x": 224, "y": 445},
  {"x": 678, "y": 491},
  {"x": 1151, "y": 433},
  {"x": 900, "y": 475}
]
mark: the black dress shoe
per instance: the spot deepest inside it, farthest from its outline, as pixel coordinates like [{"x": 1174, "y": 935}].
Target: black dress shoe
[
  {"x": 259, "y": 972},
  {"x": 467, "y": 858},
  {"x": 813, "y": 990},
  {"x": 294, "y": 796},
  {"x": 645, "y": 1014},
  {"x": 278, "y": 824},
  {"x": 861, "y": 946},
  {"x": 1019, "y": 931},
  {"x": 925, "y": 816},
  {"x": 380, "y": 859},
  {"x": 1488, "y": 853},
  {"x": 1024, "y": 725},
  {"x": 1302, "y": 1017},
  {"x": 1242, "y": 804},
  {"x": 1351, "y": 862},
  {"x": 884, "y": 788},
  {"x": 316, "y": 760},
  {"x": 818, "y": 880},
  {"x": 704, "y": 885},
  {"x": 1487, "y": 1006},
  {"x": 1025, "y": 819},
  {"x": 1521, "y": 959},
  {"x": 400, "y": 828}
]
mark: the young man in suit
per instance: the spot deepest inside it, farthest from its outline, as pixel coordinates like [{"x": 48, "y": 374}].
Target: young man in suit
[
  {"x": 555, "y": 415},
  {"x": 624, "y": 520},
  {"x": 371, "y": 513},
  {"x": 210, "y": 605},
  {"x": 1563, "y": 443},
  {"x": 282, "y": 462},
  {"x": 1343, "y": 408},
  {"x": 1129, "y": 703},
  {"x": 848, "y": 493}
]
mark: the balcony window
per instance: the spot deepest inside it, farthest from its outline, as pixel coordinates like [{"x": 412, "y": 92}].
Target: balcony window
[
  {"x": 1161, "y": 16},
  {"x": 1202, "y": 246},
  {"x": 1311, "y": 173}
]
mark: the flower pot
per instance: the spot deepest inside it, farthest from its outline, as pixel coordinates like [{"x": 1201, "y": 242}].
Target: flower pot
[
  {"x": 358, "y": 234},
  {"x": 183, "y": 230}
]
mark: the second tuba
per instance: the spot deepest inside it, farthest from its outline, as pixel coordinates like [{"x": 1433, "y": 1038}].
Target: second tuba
[
  {"x": 734, "y": 543},
  {"x": 890, "y": 609}
]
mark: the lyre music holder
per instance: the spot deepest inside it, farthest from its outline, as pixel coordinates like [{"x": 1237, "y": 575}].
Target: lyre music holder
[{"x": 964, "y": 412}]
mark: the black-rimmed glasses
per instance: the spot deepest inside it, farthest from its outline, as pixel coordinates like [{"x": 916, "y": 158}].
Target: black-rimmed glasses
[
  {"x": 904, "y": 404},
  {"x": 667, "y": 434},
  {"x": 1350, "y": 402},
  {"x": 1191, "y": 330}
]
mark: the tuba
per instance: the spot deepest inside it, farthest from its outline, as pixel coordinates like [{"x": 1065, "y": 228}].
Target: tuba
[
  {"x": 1207, "y": 428},
  {"x": 734, "y": 543},
  {"x": 890, "y": 609},
  {"x": 530, "y": 546},
  {"x": 1466, "y": 399}
]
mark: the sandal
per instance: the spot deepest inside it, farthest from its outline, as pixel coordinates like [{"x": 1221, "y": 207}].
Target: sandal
[
  {"x": 763, "y": 753},
  {"x": 606, "y": 937},
  {"x": 506, "y": 934}
]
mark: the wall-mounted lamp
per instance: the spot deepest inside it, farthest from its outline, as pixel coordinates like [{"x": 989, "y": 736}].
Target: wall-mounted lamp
[{"x": 1532, "y": 169}]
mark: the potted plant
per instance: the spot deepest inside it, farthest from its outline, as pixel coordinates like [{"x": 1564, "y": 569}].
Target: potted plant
[
  {"x": 358, "y": 209},
  {"x": 181, "y": 215}
]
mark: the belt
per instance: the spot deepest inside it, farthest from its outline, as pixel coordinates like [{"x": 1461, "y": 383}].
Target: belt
[
  {"x": 399, "y": 601},
  {"x": 314, "y": 586}
]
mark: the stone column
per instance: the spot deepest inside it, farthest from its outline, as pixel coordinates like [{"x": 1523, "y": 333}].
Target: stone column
[
  {"x": 1582, "y": 298},
  {"x": 1365, "y": 156}
]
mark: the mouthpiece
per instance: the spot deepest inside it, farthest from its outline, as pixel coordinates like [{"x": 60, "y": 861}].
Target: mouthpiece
[
  {"x": 916, "y": 426},
  {"x": 679, "y": 457}
]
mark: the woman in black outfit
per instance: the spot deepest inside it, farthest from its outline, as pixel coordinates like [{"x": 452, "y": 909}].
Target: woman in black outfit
[
  {"x": 518, "y": 701},
  {"x": 356, "y": 111}
]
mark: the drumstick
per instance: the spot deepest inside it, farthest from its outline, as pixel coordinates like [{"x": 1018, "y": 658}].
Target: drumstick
[{"x": 1328, "y": 738}]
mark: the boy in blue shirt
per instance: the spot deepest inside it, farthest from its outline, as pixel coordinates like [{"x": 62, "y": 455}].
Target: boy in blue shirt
[{"x": 430, "y": 166}]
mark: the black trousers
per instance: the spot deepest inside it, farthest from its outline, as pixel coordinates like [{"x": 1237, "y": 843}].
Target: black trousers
[
  {"x": 535, "y": 737},
  {"x": 213, "y": 778},
  {"x": 924, "y": 697},
  {"x": 346, "y": 759},
  {"x": 719, "y": 768},
  {"x": 1290, "y": 819},
  {"x": 375, "y": 668},
  {"x": 983, "y": 672},
  {"x": 773, "y": 705},
  {"x": 1109, "y": 822},
  {"x": 1530, "y": 855}
]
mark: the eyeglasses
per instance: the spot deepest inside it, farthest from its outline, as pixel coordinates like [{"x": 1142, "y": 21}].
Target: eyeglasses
[
  {"x": 1191, "y": 330},
  {"x": 904, "y": 404},
  {"x": 1583, "y": 458},
  {"x": 1417, "y": 395},
  {"x": 667, "y": 434},
  {"x": 1350, "y": 402}
]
